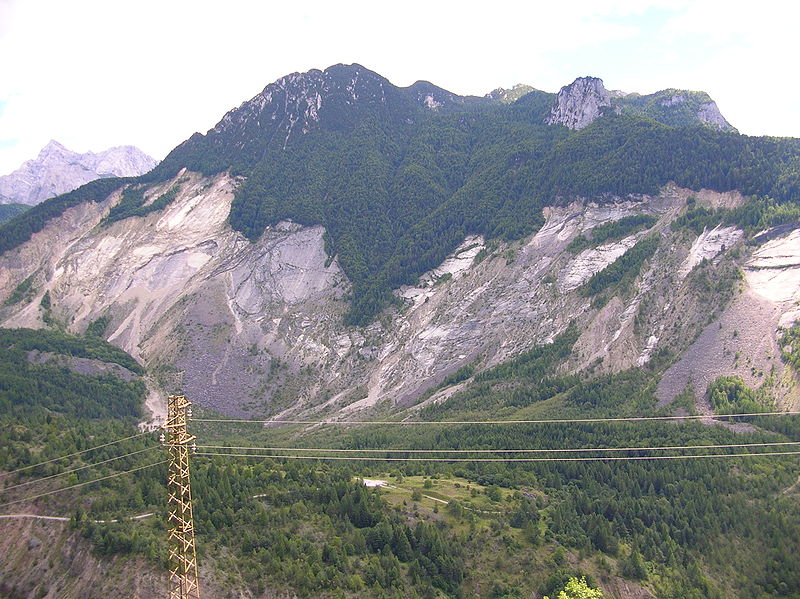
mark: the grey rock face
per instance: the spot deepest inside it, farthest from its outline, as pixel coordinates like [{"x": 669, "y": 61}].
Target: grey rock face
[
  {"x": 580, "y": 103},
  {"x": 673, "y": 100},
  {"x": 59, "y": 170},
  {"x": 709, "y": 113}
]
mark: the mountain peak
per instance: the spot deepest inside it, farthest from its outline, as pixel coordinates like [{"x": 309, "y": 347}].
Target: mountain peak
[
  {"x": 337, "y": 98},
  {"x": 508, "y": 96},
  {"x": 53, "y": 148},
  {"x": 580, "y": 103},
  {"x": 57, "y": 170},
  {"x": 293, "y": 104},
  {"x": 54, "y": 145},
  {"x": 586, "y": 99}
]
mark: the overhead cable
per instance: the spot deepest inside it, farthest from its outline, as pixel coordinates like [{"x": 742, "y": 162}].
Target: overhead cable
[
  {"x": 471, "y": 422},
  {"x": 578, "y": 459},
  {"x": 537, "y": 450},
  {"x": 88, "y": 482},
  {"x": 38, "y": 480},
  {"x": 69, "y": 455}
]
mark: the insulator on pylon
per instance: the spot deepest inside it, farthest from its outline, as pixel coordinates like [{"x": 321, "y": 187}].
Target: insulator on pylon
[
  {"x": 194, "y": 447},
  {"x": 162, "y": 438}
]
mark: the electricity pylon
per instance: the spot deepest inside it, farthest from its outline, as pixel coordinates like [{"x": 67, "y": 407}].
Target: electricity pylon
[{"x": 182, "y": 555}]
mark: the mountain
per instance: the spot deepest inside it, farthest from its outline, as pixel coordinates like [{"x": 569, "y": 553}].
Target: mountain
[
  {"x": 57, "y": 170},
  {"x": 334, "y": 198},
  {"x": 585, "y": 99},
  {"x": 340, "y": 248}
]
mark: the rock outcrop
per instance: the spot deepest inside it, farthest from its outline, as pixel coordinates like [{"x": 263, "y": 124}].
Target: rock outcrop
[
  {"x": 709, "y": 113},
  {"x": 580, "y": 103},
  {"x": 58, "y": 170},
  {"x": 586, "y": 99}
]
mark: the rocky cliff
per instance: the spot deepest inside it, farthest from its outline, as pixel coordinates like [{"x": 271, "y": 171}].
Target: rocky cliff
[
  {"x": 580, "y": 103},
  {"x": 57, "y": 170},
  {"x": 256, "y": 329},
  {"x": 583, "y": 101}
]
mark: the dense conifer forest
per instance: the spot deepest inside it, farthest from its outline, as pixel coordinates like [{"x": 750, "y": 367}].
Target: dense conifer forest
[{"x": 685, "y": 528}]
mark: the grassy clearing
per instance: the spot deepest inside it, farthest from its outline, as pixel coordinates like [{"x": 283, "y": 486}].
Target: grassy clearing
[{"x": 439, "y": 492}]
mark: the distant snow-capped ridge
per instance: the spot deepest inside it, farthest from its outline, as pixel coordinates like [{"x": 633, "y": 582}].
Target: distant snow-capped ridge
[{"x": 58, "y": 170}]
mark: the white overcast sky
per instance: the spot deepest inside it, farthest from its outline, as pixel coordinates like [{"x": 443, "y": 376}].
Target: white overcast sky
[{"x": 95, "y": 74}]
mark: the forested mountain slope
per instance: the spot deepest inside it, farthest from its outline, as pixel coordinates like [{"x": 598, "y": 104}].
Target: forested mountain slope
[
  {"x": 339, "y": 248},
  {"x": 334, "y": 197}
]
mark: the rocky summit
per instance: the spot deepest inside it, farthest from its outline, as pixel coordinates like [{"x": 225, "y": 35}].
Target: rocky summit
[
  {"x": 57, "y": 170},
  {"x": 584, "y": 100},
  {"x": 580, "y": 103}
]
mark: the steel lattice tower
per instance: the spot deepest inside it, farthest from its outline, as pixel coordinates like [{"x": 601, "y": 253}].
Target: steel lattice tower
[{"x": 183, "y": 582}]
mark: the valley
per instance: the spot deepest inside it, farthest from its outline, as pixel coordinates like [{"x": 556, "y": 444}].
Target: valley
[{"x": 559, "y": 328}]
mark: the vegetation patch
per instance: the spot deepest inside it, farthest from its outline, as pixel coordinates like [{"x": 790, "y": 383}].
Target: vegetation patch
[
  {"x": 97, "y": 328},
  {"x": 756, "y": 214},
  {"x": 623, "y": 270},
  {"x": 9, "y": 211},
  {"x": 50, "y": 387},
  {"x": 22, "y": 292},
  {"x": 19, "y": 230},
  {"x": 62, "y": 343},
  {"x": 133, "y": 203},
  {"x": 730, "y": 395},
  {"x": 612, "y": 231},
  {"x": 790, "y": 346}
]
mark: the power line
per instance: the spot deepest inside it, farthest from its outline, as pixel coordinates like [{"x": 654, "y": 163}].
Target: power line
[
  {"x": 88, "y": 482},
  {"x": 69, "y": 455},
  {"x": 468, "y": 422},
  {"x": 65, "y": 519},
  {"x": 578, "y": 459},
  {"x": 462, "y": 450},
  {"x": 38, "y": 480}
]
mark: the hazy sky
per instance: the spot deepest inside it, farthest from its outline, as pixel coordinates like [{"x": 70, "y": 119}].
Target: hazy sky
[{"x": 95, "y": 74}]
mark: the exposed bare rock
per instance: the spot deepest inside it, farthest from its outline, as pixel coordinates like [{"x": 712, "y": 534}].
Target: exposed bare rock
[
  {"x": 742, "y": 343},
  {"x": 43, "y": 548},
  {"x": 709, "y": 245},
  {"x": 580, "y": 103},
  {"x": 592, "y": 261},
  {"x": 256, "y": 328},
  {"x": 774, "y": 269},
  {"x": 84, "y": 366},
  {"x": 744, "y": 340},
  {"x": 58, "y": 170},
  {"x": 709, "y": 113}
]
